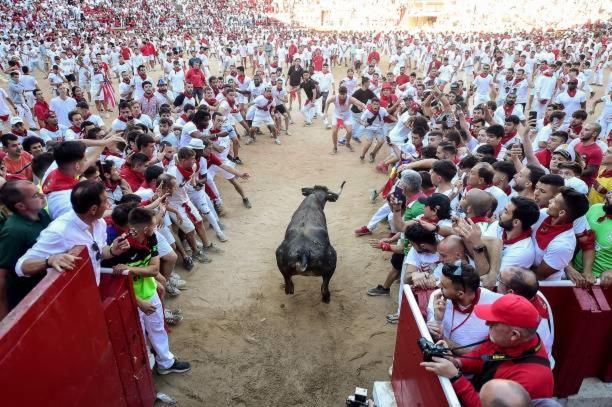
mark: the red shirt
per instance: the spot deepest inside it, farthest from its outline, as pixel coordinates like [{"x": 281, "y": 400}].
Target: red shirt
[
  {"x": 17, "y": 166},
  {"x": 196, "y": 77},
  {"x": 125, "y": 53},
  {"x": 317, "y": 62},
  {"x": 402, "y": 79},
  {"x": 531, "y": 372},
  {"x": 544, "y": 157},
  {"x": 134, "y": 178},
  {"x": 40, "y": 110},
  {"x": 592, "y": 156}
]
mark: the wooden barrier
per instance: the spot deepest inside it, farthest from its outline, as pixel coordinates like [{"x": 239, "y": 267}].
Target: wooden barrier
[
  {"x": 70, "y": 344},
  {"x": 412, "y": 385}
]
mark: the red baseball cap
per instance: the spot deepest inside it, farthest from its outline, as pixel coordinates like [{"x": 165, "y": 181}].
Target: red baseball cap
[{"x": 512, "y": 310}]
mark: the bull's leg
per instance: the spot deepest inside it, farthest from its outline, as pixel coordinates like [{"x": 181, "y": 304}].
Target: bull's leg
[
  {"x": 325, "y": 294},
  {"x": 288, "y": 283}
]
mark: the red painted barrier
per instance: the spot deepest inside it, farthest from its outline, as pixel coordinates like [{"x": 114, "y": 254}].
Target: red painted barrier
[
  {"x": 412, "y": 385},
  {"x": 64, "y": 345},
  {"x": 583, "y": 332}
]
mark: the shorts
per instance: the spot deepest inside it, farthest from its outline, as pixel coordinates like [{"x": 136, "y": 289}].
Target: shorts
[
  {"x": 371, "y": 133},
  {"x": 397, "y": 260},
  {"x": 163, "y": 247},
  {"x": 189, "y": 215},
  {"x": 341, "y": 119},
  {"x": 266, "y": 120},
  {"x": 214, "y": 170},
  {"x": 280, "y": 109},
  {"x": 237, "y": 117},
  {"x": 71, "y": 78},
  {"x": 250, "y": 113},
  {"x": 387, "y": 127}
]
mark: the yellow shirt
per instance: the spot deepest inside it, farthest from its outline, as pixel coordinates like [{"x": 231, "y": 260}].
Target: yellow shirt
[{"x": 601, "y": 186}]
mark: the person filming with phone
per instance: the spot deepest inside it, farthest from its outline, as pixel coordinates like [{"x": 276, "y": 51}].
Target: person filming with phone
[{"x": 513, "y": 351}]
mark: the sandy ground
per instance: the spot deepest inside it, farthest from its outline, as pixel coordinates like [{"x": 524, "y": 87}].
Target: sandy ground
[{"x": 248, "y": 342}]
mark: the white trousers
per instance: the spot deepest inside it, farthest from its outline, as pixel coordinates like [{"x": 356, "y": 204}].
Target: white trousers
[
  {"x": 308, "y": 110},
  {"x": 153, "y": 329},
  {"x": 380, "y": 215},
  {"x": 201, "y": 201}
]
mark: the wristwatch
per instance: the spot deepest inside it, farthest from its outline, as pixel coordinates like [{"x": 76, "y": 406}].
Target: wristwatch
[{"x": 456, "y": 377}]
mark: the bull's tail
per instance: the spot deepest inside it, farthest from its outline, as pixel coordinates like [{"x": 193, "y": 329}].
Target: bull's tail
[{"x": 302, "y": 263}]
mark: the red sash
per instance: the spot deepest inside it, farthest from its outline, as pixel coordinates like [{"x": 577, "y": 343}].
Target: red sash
[
  {"x": 58, "y": 181},
  {"x": 547, "y": 232}
]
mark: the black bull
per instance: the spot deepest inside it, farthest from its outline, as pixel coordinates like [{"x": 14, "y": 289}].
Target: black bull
[{"x": 306, "y": 250}]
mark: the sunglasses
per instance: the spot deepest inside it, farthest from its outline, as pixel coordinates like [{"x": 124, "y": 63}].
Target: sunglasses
[{"x": 96, "y": 249}]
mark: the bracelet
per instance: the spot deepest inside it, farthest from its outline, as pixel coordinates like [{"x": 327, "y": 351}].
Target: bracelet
[
  {"x": 386, "y": 247},
  {"x": 47, "y": 265},
  {"x": 110, "y": 250},
  {"x": 456, "y": 377}
]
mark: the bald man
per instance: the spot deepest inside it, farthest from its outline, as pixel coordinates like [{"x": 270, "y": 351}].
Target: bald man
[
  {"x": 524, "y": 282},
  {"x": 478, "y": 206},
  {"x": 504, "y": 393}
]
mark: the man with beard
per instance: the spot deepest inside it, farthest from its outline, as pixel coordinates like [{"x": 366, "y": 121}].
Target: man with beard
[
  {"x": 590, "y": 152},
  {"x": 572, "y": 99},
  {"x": 509, "y": 108},
  {"x": 547, "y": 187},
  {"x": 597, "y": 263},
  {"x": 514, "y": 228},
  {"x": 526, "y": 179}
]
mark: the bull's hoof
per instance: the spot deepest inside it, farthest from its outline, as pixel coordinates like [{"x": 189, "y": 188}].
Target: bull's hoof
[
  {"x": 326, "y": 298},
  {"x": 288, "y": 289}
]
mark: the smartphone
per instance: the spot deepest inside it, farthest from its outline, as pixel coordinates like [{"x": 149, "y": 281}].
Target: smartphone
[
  {"x": 532, "y": 116},
  {"x": 398, "y": 193}
]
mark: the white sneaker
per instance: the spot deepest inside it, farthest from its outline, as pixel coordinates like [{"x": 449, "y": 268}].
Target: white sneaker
[
  {"x": 221, "y": 236},
  {"x": 277, "y": 141},
  {"x": 177, "y": 281}
]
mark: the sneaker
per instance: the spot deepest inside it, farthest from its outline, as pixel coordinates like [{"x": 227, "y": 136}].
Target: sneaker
[
  {"x": 361, "y": 158},
  {"x": 341, "y": 142},
  {"x": 393, "y": 318},
  {"x": 249, "y": 140},
  {"x": 378, "y": 290},
  {"x": 164, "y": 398},
  {"x": 218, "y": 209},
  {"x": 371, "y": 157},
  {"x": 221, "y": 225},
  {"x": 188, "y": 263},
  {"x": 211, "y": 248},
  {"x": 172, "y": 290},
  {"x": 287, "y": 133},
  {"x": 172, "y": 318},
  {"x": 238, "y": 161},
  {"x": 221, "y": 236},
  {"x": 177, "y": 367},
  {"x": 363, "y": 231},
  {"x": 201, "y": 257},
  {"x": 373, "y": 195},
  {"x": 177, "y": 281},
  {"x": 246, "y": 203},
  {"x": 277, "y": 141}
]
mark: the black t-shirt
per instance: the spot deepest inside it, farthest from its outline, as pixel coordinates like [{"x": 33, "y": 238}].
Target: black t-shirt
[
  {"x": 309, "y": 87},
  {"x": 295, "y": 75},
  {"x": 363, "y": 96}
]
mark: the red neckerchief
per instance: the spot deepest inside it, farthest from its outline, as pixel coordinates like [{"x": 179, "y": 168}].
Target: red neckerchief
[
  {"x": 508, "y": 109},
  {"x": 498, "y": 148},
  {"x": 414, "y": 197},
  {"x": 149, "y": 97},
  {"x": 517, "y": 81},
  {"x": 480, "y": 219},
  {"x": 149, "y": 185},
  {"x": 429, "y": 191},
  {"x": 507, "y": 137},
  {"x": 185, "y": 117},
  {"x": 470, "y": 308},
  {"x": 76, "y": 129},
  {"x": 240, "y": 79},
  {"x": 572, "y": 92},
  {"x": 185, "y": 172},
  {"x": 541, "y": 306},
  {"x": 121, "y": 119},
  {"x": 16, "y": 132},
  {"x": 188, "y": 95},
  {"x": 111, "y": 185},
  {"x": 232, "y": 105},
  {"x": 548, "y": 73},
  {"x": 58, "y": 181},
  {"x": 108, "y": 152},
  {"x": 165, "y": 161},
  {"x": 483, "y": 75},
  {"x": 545, "y": 122},
  {"x": 52, "y": 128},
  {"x": 433, "y": 221},
  {"x": 604, "y": 217},
  {"x": 507, "y": 190},
  {"x": 143, "y": 77},
  {"x": 134, "y": 243},
  {"x": 521, "y": 236},
  {"x": 547, "y": 232},
  {"x": 211, "y": 101},
  {"x": 576, "y": 129},
  {"x": 469, "y": 187}
]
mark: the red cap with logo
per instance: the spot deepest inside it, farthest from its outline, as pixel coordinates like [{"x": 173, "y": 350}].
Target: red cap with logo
[{"x": 512, "y": 310}]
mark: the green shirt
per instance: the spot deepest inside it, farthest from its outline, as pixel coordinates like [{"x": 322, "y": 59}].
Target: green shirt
[
  {"x": 603, "y": 241},
  {"x": 17, "y": 235},
  {"x": 414, "y": 209}
]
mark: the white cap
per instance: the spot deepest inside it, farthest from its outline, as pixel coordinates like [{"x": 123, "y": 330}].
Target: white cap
[
  {"x": 577, "y": 184},
  {"x": 196, "y": 144},
  {"x": 16, "y": 119}
]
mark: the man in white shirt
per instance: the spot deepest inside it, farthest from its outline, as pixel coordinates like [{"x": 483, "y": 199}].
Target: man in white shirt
[
  {"x": 481, "y": 177},
  {"x": 81, "y": 226},
  {"x": 62, "y": 105},
  {"x": 514, "y": 229},
  {"x": 554, "y": 236},
  {"x": 572, "y": 99},
  {"x": 325, "y": 79},
  {"x": 450, "y": 312},
  {"x": 483, "y": 83}
]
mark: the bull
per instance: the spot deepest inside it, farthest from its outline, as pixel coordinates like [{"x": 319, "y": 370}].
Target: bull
[{"x": 306, "y": 250}]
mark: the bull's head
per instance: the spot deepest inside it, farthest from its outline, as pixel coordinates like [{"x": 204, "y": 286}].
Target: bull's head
[{"x": 324, "y": 191}]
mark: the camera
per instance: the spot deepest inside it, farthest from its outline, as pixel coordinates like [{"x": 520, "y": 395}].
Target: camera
[
  {"x": 430, "y": 349},
  {"x": 359, "y": 399}
]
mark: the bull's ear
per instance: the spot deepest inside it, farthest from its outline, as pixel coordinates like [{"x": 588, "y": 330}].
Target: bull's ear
[
  {"x": 307, "y": 191},
  {"x": 332, "y": 197}
]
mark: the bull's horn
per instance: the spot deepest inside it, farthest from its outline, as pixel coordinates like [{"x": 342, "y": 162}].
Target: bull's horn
[{"x": 341, "y": 187}]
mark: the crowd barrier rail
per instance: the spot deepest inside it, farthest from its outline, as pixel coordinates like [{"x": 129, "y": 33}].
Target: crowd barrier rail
[{"x": 71, "y": 343}]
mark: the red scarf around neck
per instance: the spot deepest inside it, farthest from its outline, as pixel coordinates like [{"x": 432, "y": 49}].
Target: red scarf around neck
[
  {"x": 58, "y": 181},
  {"x": 526, "y": 234},
  {"x": 572, "y": 92},
  {"x": 211, "y": 102},
  {"x": 185, "y": 172},
  {"x": 547, "y": 232},
  {"x": 470, "y": 308},
  {"x": 142, "y": 76},
  {"x": 508, "y": 109},
  {"x": 480, "y": 219}
]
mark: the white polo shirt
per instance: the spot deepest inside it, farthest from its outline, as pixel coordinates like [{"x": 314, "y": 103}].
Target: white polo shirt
[
  {"x": 463, "y": 328},
  {"x": 519, "y": 254}
]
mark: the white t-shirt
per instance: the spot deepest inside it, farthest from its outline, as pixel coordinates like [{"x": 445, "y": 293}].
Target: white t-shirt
[
  {"x": 558, "y": 253},
  {"x": 482, "y": 85},
  {"x": 571, "y": 104},
  {"x": 62, "y": 107},
  {"x": 519, "y": 254},
  {"x": 462, "y": 328}
]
